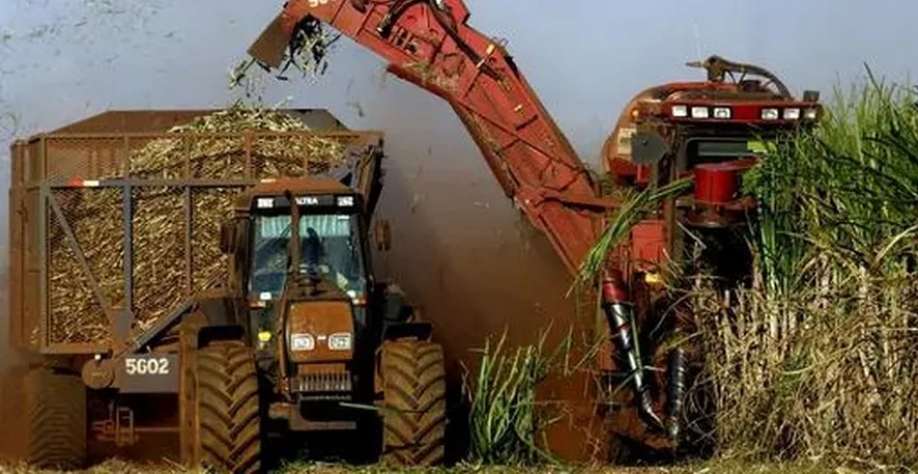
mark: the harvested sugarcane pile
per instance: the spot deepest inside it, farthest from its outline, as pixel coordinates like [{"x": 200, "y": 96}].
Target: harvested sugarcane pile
[{"x": 211, "y": 147}]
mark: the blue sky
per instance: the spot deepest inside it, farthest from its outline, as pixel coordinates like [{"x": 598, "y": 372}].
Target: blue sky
[{"x": 63, "y": 59}]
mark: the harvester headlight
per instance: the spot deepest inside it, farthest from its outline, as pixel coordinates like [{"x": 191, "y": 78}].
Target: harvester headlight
[
  {"x": 340, "y": 341},
  {"x": 792, "y": 114},
  {"x": 722, "y": 113},
  {"x": 680, "y": 111},
  {"x": 700, "y": 112},
  {"x": 770, "y": 114},
  {"x": 809, "y": 114},
  {"x": 302, "y": 342}
]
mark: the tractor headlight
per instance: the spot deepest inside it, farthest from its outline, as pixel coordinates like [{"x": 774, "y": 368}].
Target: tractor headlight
[
  {"x": 340, "y": 341},
  {"x": 770, "y": 114},
  {"x": 680, "y": 111},
  {"x": 700, "y": 112},
  {"x": 810, "y": 114},
  {"x": 792, "y": 114},
  {"x": 302, "y": 342},
  {"x": 722, "y": 113}
]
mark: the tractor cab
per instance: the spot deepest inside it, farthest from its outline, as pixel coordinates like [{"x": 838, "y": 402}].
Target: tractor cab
[
  {"x": 326, "y": 342},
  {"x": 301, "y": 262}
]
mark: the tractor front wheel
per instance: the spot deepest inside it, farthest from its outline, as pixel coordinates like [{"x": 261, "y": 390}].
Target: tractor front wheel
[
  {"x": 228, "y": 408},
  {"x": 414, "y": 408}
]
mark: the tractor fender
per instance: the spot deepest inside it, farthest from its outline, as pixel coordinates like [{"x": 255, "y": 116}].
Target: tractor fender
[
  {"x": 218, "y": 317},
  {"x": 420, "y": 331},
  {"x": 215, "y": 333}
]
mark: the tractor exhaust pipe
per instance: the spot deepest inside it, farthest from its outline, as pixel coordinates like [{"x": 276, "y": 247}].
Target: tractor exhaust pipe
[{"x": 619, "y": 314}]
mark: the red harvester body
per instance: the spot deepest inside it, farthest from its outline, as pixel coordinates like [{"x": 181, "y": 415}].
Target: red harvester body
[{"x": 702, "y": 129}]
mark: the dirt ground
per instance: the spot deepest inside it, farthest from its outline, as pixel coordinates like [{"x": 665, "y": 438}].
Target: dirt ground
[{"x": 723, "y": 467}]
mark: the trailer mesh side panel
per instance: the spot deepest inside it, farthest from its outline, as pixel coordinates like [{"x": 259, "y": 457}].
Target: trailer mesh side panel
[{"x": 75, "y": 316}]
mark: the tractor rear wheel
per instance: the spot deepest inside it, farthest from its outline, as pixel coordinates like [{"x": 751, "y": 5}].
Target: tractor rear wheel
[
  {"x": 228, "y": 408},
  {"x": 57, "y": 420},
  {"x": 414, "y": 415}
]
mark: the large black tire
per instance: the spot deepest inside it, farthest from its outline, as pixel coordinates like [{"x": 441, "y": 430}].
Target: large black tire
[
  {"x": 229, "y": 430},
  {"x": 414, "y": 415},
  {"x": 57, "y": 420}
]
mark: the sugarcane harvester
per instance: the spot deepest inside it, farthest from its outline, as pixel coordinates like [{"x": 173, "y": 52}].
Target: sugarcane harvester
[{"x": 701, "y": 129}]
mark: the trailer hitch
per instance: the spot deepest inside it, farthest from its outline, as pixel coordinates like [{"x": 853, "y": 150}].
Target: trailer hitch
[{"x": 619, "y": 312}]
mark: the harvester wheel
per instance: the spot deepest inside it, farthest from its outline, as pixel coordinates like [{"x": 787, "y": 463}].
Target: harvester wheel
[
  {"x": 57, "y": 420},
  {"x": 229, "y": 433},
  {"x": 414, "y": 415}
]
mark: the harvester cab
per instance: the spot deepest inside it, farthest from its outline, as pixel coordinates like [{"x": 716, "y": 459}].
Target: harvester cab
[{"x": 713, "y": 130}]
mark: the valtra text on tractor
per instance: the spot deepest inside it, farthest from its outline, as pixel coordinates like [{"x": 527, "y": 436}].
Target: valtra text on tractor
[
  {"x": 130, "y": 333},
  {"x": 702, "y": 129}
]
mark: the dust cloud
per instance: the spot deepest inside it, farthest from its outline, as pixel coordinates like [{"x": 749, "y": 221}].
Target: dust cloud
[
  {"x": 7, "y": 355},
  {"x": 9, "y": 358},
  {"x": 11, "y": 369},
  {"x": 12, "y": 365}
]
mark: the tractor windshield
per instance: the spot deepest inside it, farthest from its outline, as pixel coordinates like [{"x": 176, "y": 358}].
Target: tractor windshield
[
  {"x": 330, "y": 245},
  {"x": 720, "y": 149},
  {"x": 713, "y": 150}
]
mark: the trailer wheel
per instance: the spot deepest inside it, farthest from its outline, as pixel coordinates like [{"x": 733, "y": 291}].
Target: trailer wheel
[
  {"x": 229, "y": 430},
  {"x": 57, "y": 420},
  {"x": 414, "y": 415}
]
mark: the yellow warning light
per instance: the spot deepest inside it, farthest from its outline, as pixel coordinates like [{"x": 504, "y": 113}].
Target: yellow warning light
[
  {"x": 635, "y": 113},
  {"x": 264, "y": 336},
  {"x": 653, "y": 278}
]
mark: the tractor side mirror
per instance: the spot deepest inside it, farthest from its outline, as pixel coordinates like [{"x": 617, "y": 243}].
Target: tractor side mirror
[
  {"x": 811, "y": 96},
  {"x": 382, "y": 235},
  {"x": 648, "y": 148},
  {"x": 227, "y": 237}
]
